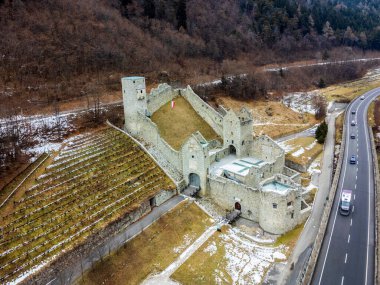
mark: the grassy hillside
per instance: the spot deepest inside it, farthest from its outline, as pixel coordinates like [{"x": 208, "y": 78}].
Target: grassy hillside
[{"x": 176, "y": 125}]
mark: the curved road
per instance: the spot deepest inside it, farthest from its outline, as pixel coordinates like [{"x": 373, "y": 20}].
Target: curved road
[{"x": 347, "y": 255}]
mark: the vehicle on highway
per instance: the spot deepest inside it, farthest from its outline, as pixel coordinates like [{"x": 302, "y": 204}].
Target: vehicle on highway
[
  {"x": 353, "y": 159},
  {"x": 345, "y": 203},
  {"x": 353, "y": 136},
  {"x": 353, "y": 112},
  {"x": 353, "y": 123},
  {"x": 362, "y": 98}
]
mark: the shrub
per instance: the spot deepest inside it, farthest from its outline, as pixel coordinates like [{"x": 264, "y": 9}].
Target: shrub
[{"x": 321, "y": 132}]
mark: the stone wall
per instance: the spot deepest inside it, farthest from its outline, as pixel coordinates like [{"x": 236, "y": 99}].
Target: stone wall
[
  {"x": 163, "y": 196},
  {"x": 294, "y": 175},
  {"x": 160, "y": 96},
  {"x": 266, "y": 149},
  {"x": 218, "y": 155},
  {"x": 282, "y": 218},
  {"x": 226, "y": 193},
  {"x": 149, "y": 132},
  {"x": 212, "y": 117}
]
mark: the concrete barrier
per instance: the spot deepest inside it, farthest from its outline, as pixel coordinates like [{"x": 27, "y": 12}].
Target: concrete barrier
[
  {"x": 308, "y": 271},
  {"x": 377, "y": 204}
]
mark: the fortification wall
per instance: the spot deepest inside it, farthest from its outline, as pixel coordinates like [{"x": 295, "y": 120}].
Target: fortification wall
[
  {"x": 218, "y": 155},
  {"x": 282, "y": 217},
  {"x": 266, "y": 149},
  {"x": 160, "y": 96},
  {"x": 294, "y": 175},
  {"x": 150, "y": 133},
  {"x": 227, "y": 192},
  {"x": 212, "y": 117}
]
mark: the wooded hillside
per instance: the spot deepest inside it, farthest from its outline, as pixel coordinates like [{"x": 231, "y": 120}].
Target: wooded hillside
[{"x": 53, "y": 50}]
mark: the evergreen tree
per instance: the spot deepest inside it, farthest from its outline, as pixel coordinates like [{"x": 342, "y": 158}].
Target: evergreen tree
[
  {"x": 181, "y": 15},
  {"x": 321, "y": 132}
]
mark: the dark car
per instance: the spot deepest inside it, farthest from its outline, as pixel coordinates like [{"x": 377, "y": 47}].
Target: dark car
[
  {"x": 353, "y": 159},
  {"x": 353, "y": 112},
  {"x": 353, "y": 136}
]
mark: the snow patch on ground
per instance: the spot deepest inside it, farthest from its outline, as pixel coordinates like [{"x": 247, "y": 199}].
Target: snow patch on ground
[
  {"x": 298, "y": 152},
  {"x": 247, "y": 261},
  {"x": 286, "y": 147},
  {"x": 301, "y": 102},
  {"x": 211, "y": 249},
  {"x": 310, "y": 146},
  {"x": 186, "y": 242}
]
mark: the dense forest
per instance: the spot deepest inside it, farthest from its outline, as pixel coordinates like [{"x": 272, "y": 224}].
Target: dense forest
[{"x": 53, "y": 50}]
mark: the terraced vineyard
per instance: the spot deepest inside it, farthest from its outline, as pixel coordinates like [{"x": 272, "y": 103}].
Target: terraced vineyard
[{"x": 94, "y": 180}]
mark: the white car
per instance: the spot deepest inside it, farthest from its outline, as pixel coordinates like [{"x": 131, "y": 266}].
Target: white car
[{"x": 362, "y": 98}]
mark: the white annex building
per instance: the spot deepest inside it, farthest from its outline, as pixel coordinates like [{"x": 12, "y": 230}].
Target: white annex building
[{"x": 244, "y": 172}]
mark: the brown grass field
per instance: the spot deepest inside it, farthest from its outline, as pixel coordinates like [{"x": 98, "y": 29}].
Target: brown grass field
[
  {"x": 177, "y": 124},
  {"x": 153, "y": 250}
]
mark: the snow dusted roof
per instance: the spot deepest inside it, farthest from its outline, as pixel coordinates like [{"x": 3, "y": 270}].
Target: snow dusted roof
[
  {"x": 242, "y": 166},
  {"x": 275, "y": 187}
]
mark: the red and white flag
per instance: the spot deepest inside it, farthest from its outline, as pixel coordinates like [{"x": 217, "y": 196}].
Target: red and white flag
[{"x": 172, "y": 104}]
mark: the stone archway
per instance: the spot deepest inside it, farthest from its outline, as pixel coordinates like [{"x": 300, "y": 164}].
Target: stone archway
[
  {"x": 232, "y": 149},
  {"x": 194, "y": 180},
  {"x": 237, "y": 206}
]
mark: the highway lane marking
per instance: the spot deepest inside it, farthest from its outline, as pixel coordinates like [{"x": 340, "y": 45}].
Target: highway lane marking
[
  {"x": 351, "y": 223},
  {"x": 349, "y": 236},
  {"x": 354, "y": 195},
  {"x": 353, "y": 209},
  {"x": 355, "y": 186},
  {"x": 341, "y": 283},
  {"x": 369, "y": 185},
  {"x": 345, "y": 258},
  {"x": 340, "y": 192}
]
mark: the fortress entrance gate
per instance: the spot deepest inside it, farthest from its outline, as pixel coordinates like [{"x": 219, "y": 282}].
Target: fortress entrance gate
[{"x": 194, "y": 180}]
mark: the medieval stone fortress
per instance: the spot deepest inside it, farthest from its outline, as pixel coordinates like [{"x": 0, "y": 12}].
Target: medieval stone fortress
[{"x": 240, "y": 171}]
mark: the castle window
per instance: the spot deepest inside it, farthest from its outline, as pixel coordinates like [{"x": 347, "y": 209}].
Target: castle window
[
  {"x": 232, "y": 141},
  {"x": 242, "y": 143},
  {"x": 289, "y": 204},
  {"x": 141, "y": 91},
  {"x": 134, "y": 81},
  {"x": 292, "y": 215},
  {"x": 274, "y": 205},
  {"x": 192, "y": 156}
]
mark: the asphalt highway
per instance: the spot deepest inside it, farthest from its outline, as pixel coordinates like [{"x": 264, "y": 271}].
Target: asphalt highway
[{"x": 347, "y": 255}]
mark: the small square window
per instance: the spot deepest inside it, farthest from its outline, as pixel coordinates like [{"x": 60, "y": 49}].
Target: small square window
[
  {"x": 192, "y": 156},
  {"x": 289, "y": 204},
  {"x": 274, "y": 205}
]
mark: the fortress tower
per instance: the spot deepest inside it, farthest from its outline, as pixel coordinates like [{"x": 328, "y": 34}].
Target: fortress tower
[
  {"x": 237, "y": 131},
  {"x": 134, "y": 100}
]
